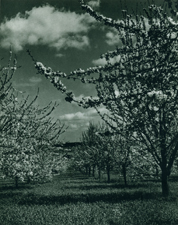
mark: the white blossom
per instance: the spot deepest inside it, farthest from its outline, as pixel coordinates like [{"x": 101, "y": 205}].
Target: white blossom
[
  {"x": 150, "y": 94},
  {"x": 39, "y": 64},
  {"x": 158, "y": 95},
  {"x": 172, "y": 21},
  {"x": 155, "y": 108}
]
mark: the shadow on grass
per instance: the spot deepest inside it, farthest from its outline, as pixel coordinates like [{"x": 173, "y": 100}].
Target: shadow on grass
[
  {"x": 10, "y": 198},
  {"x": 173, "y": 178},
  {"x": 32, "y": 199},
  {"x": 13, "y": 188},
  {"x": 104, "y": 185},
  {"x": 12, "y": 194}
]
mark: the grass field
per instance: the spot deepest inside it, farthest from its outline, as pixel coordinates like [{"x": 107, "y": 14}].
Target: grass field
[{"x": 79, "y": 200}]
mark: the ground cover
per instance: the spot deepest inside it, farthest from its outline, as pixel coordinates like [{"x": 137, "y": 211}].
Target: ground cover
[{"x": 77, "y": 199}]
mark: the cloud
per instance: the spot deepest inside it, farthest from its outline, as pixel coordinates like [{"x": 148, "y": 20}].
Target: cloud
[
  {"x": 46, "y": 26},
  {"x": 102, "y": 62},
  {"x": 35, "y": 79},
  {"x": 103, "y": 110},
  {"x": 87, "y": 124},
  {"x": 73, "y": 126},
  {"x": 76, "y": 116},
  {"x": 112, "y": 38},
  {"x": 78, "y": 122},
  {"x": 59, "y": 55},
  {"x": 94, "y": 4},
  {"x": 99, "y": 62},
  {"x": 88, "y": 115}
]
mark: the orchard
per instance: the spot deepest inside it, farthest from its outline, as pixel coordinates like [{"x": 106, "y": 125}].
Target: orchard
[{"x": 138, "y": 85}]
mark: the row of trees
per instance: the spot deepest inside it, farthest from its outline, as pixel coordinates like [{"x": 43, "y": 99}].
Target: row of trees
[
  {"x": 28, "y": 133},
  {"x": 103, "y": 152},
  {"x": 140, "y": 87}
]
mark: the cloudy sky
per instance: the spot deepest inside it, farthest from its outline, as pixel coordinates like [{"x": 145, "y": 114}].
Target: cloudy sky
[{"x": 61, "y": 35}]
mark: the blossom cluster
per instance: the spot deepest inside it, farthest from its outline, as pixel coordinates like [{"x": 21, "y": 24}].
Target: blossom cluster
[
  {"x": 13, "y": 68},
  {"x": 172, "y": 22},
  {"x": 90, "y": 70},
  {"x": 47, "y": 71},
  {"x": 89, "y": 102},
  {"x": 158, "y": 98},
  {"x": 58, "y": 84},
  {"x": 153, "y": 107},
  {"x": 54, "y": 76},
  {"x": 110, "y": 22},
  {"x": 159, "y": 95},
  {"x": 107, "y": 21}
]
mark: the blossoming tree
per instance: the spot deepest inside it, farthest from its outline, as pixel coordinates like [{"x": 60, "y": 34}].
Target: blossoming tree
[
  {"x": 28, "y": 133},
  {"x": 140, "y": 86},
  {"x": 28, "y": 146},
  {"x": 98, "y": 150},
  {"x": 103, "y": 150}
]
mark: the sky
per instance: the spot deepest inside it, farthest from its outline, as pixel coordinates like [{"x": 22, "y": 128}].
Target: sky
[{"x": 60, "y": 35}]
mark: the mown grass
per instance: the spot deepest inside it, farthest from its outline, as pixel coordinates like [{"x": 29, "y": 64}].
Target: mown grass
[{"x": 79, "y": 201}]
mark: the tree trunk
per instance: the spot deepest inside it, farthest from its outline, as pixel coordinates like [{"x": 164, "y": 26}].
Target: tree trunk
[
  {"x": 93, "y": 172},
  {"x": 124, "y": 174},
  {"x": 108, "y": 174},
  {"x": 164, "y": 175},
  {"x": 157, "y": 173},
  {"x": 86, "y": 169},
  {"x": 89, "y": 171},
  {"x": 28, "y": 180},
  {"x": 164, "y": 181},
  {"x": 16, "y": 182},
  {"x": 99, "y": 173}
]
